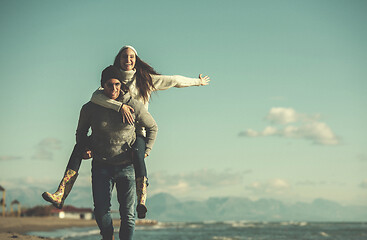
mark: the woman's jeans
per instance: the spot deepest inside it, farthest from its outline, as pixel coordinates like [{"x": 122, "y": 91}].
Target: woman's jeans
[
  {"x": 76, "y": 158},
  {"x": 138, "y": 157},
  {"x": 104, "y": 177}
]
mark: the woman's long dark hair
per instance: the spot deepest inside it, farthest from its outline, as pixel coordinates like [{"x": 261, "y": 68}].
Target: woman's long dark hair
[{"x": 144, "y": 81}]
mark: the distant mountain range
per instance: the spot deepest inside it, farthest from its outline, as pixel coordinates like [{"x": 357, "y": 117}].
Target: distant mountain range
[{"x": 165, "y": 207}]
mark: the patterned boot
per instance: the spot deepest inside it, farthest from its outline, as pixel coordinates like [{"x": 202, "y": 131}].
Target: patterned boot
[
  {"x": 141, "y": 192},
  {"x": 57, "y": 199}
]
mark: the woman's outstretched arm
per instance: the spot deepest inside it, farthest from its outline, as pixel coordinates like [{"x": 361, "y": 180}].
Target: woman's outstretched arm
[{"x": 163, "y": 82}]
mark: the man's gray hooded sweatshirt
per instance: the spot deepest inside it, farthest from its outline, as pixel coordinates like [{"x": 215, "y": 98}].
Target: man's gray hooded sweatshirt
[{"x": 111, "y": 139}]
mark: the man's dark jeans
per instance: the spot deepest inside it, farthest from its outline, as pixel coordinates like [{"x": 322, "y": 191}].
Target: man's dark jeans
[{"x": 104, "y": 177}]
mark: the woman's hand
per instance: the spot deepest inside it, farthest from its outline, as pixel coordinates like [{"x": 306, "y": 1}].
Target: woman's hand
[
  {"x": 126, "y": 112},
  {"x": 204, "y": 80},
  {"x": 87, "y": 154}
]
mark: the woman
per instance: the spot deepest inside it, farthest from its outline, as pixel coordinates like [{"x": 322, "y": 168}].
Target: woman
[
  {"x": 111, "y": 142},
  {"x": 142, "y": 80}
]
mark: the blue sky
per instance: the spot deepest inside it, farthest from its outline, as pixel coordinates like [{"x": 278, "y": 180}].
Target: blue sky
[{"x": 284, "y": 116}]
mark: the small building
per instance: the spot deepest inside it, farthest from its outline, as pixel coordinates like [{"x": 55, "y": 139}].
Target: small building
[{"x": 72, "y": 212}]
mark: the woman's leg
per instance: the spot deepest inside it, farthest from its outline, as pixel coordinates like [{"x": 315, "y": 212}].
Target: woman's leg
[
  {"x": 71, "y": 173},
  {"x": 125, "y": 186},
  {"x": 139, "y": 155},
  {"x": 102, "y": 186},
  {"x": 76, "y": 158},
  {"x": 140, "y": 175}
]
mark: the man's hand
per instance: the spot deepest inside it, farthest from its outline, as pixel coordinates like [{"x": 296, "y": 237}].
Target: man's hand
[{"x": 87, "y": 154}]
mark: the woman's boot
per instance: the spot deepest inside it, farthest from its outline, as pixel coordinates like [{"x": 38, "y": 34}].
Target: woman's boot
[
  {"x": 57, "y": 199},
  {"x": 141, "y": 192}
]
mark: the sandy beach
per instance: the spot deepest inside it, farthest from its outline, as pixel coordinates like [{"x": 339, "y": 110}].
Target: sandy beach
[{"x": 14, "y": 227}]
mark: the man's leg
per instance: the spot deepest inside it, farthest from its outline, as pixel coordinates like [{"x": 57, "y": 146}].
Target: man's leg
[
  {"x": 125, "y": 185},
  {"x": 102, "y": 186}
]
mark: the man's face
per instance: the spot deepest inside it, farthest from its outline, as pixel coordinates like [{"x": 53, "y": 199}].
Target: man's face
[{"x": 112, "y": 88}]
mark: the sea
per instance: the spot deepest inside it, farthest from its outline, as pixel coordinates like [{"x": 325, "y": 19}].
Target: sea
[{"x": 231, "y": 230}]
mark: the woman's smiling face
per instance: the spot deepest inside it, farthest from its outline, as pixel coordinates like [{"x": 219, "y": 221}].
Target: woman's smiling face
[{"x": 127, "y": 59}]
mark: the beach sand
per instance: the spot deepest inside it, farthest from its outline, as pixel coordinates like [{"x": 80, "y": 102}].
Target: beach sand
[{"x": 16, "y": 228}]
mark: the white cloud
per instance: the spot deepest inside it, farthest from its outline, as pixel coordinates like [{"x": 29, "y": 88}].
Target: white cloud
[
  {"x": 50, "y": 143},
  {"x": 317, "y": 132},
  {"x": 282, "y": 115},
  {"x": 204, "y": 180},
  {"x": 303, "y": 126},
  {"x": 279, "y": 184},
  {"x": 45, "y": 149},
  {"x": 273, "y": 187},
  {"x": 268, "y": 131},
  {"x": 249, "y": 133},
  {"x": 28, "y": 182}
]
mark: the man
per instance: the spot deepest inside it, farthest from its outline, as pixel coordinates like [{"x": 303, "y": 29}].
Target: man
[{"x": 110, "y": 143}]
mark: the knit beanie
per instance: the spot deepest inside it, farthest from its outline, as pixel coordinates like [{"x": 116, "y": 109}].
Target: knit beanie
[
  {"x": 131, "y": 47},
  {"x": 109, "y": 73}
]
